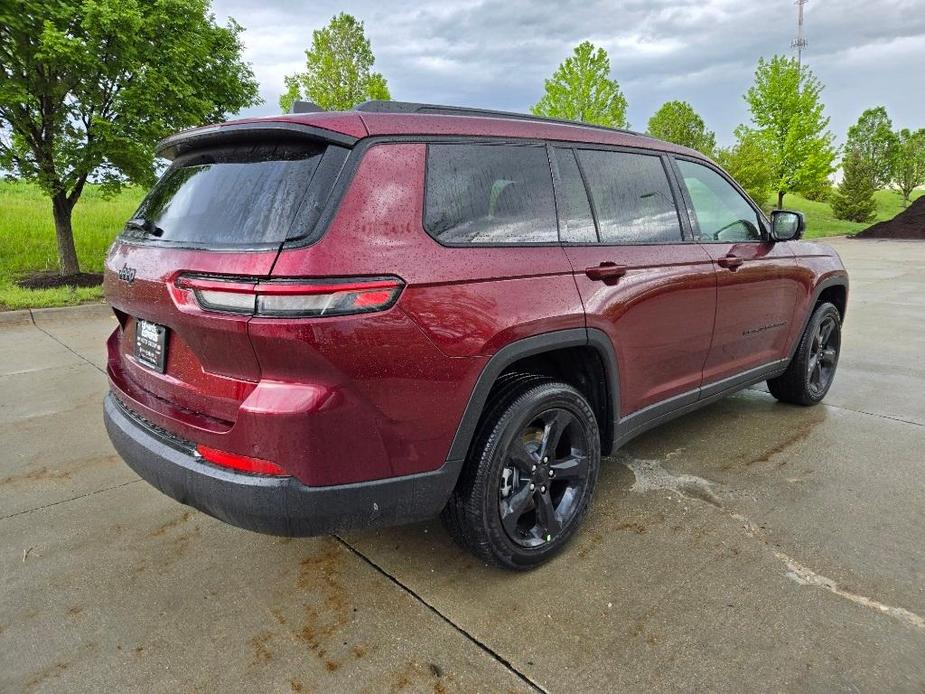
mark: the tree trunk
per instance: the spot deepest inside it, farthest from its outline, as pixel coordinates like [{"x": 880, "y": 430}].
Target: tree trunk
[
  {"x": 780, "y": 199},
  {"x": 67, "y": 253}
]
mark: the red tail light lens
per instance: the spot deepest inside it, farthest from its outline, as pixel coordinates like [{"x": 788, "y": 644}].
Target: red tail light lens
[
  {"x": 329, "y": 297},
  {"x": 241, "y": 463}
]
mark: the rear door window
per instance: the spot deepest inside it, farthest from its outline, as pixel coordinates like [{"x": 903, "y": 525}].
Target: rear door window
[
  {"x": 579, "y": 220},
  {"x": 632, "y": 197},
  {"x": 489, "y": 194},
  {"x": 243, "y": 195}
]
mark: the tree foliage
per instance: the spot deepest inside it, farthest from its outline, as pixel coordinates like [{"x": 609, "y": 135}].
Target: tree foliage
[
  {"x": 749, "y": 163},
  {"x": 338, "y": 71},
  {"x": 787, "y": 111},
  {"x": 678, "y": 122},
  {"x": 88, "y": 87},
  {"x": 820, "y": 192},
  {"x": 581, "y": 90},
  {"x": 854, "y": 198},
  {"x": 909, "y": 162},
  {"x": 872, "y": 137}
]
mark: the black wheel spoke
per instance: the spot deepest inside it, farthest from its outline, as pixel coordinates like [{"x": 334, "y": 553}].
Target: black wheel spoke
[
  {"x": 811, "y": 366},
  {"x": 515, "y": 506},
  {"x": 521, "y": 456},
  {"x": 546, "y": 515},
  {"x": 552, "y": 433},
  {"x": 815, "y": 376},
  {"x": 571, "y": 468},
  {"x": 825, "y": 332}
]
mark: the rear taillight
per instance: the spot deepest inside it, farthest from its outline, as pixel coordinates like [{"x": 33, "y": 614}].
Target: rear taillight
[
  {"x": 241, "y": 463},
  {"x": 308, "y": 297}
]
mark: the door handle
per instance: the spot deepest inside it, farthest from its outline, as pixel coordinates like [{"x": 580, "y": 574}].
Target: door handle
[
  {"x": 607, "y": 272},
  {"x": 730, "y": 261}
]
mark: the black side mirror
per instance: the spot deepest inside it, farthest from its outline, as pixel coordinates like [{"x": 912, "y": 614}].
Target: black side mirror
[{"x": 787, "y": 225}]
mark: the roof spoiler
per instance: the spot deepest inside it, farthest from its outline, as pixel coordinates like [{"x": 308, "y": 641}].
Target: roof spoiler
[{"x": 210, "y": 135}]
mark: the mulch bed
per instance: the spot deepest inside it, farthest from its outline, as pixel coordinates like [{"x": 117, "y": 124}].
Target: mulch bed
[
  {"x": 51, "y": 280},
  {"x": 908, "y": 224}
]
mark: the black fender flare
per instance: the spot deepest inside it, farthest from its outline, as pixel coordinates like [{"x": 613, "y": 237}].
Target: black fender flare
[
  {"x": 527, "y": 347},
  {"x": 839, "y": 280}
]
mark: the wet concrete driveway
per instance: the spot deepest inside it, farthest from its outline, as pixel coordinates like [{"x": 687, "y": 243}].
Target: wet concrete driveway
[{"x": 749, "y": 547}]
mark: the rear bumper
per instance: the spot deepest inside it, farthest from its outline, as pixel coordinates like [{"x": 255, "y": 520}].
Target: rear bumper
[{"x": 273, "y": 505}]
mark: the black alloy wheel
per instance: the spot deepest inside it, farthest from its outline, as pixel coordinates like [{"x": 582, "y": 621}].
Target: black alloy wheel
[
  {"x": 823, "y": 356},
  {"x": 542, "y": 481}
]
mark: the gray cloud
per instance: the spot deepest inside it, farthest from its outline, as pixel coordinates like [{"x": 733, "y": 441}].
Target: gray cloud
[{"x": 496, "y": 53}]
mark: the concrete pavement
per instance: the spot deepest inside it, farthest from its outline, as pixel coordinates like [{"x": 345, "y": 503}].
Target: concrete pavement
[{"x": 751, "y": 546}]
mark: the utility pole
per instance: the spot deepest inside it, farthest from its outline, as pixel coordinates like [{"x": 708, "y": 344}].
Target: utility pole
[{"x": 800, "y": 41}]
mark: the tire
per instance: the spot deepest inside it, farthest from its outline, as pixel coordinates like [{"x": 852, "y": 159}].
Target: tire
[
  {"x": 811, "y": 371},
  {"x": 493, "y": 511}
]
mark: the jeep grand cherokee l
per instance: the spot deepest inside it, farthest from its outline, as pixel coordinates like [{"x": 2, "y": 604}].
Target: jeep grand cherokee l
[{"x": 341, "y": 320}]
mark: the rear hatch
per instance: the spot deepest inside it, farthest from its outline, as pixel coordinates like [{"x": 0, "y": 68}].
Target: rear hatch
[{"x": 222, "y": 209}]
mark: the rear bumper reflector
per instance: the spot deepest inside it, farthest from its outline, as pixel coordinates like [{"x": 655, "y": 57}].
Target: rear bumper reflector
[{"x": 241, "y": 463}]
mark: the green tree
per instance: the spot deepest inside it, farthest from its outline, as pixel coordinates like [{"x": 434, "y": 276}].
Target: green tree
[
  {"x": 909, "y": 162},
  {"x": 821, "y": 192},
  {"x": 749, "y": 163},
  {"x": 678, "y": 122},
  {"x": 88, "y": 87},
  {"x": 338, "y": 72},
  {"x": 872, "y": 137},
  {"x": 854, "y": 198},
  {"x": 581, "y": 90},
  {"x": 786, "y": 109}
]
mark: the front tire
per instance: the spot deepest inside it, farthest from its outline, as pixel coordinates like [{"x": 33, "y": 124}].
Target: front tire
[
  {"x": 527, "y": 484},
  {"x": 811, "y": 371}
]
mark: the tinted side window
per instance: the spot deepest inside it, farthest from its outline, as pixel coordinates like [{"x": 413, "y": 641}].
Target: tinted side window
[
  {"x": 722, "y": 214},
  {"x": 577, "y": 213},
  {"x": 489, "y": 194},
  {"x": 632, "y": 197}
]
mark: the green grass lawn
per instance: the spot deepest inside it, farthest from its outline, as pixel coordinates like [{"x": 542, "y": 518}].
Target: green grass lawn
[
  {"x": 27, "y": 240},
  {"x": 821, "y": 222},
  {"x": 27, "y": 235}
]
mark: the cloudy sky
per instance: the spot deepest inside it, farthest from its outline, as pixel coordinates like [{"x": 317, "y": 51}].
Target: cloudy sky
[{"x": 496, "y": 53}]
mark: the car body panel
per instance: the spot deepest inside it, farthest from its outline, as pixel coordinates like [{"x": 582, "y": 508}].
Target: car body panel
[
  {"x": 756, "y": 306},
  {"x": 659, "y": 315}
]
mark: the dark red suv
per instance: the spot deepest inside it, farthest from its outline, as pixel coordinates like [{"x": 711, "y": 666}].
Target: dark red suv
[{"x": 340, "y": 320}]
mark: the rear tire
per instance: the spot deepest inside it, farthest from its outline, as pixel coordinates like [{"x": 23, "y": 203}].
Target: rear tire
[
  {"x": 527, "y": 484},
  {"x": 811, "y": 371}
]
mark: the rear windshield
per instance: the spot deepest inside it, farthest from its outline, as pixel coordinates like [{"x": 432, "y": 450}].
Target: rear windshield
[{"x": 242, "y": 195}]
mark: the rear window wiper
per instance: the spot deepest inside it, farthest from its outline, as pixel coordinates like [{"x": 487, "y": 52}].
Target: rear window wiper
[{"x": 144, "y": 225}]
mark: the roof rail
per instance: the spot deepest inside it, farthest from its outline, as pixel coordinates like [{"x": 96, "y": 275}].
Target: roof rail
[
  {"x": 305, "y": 107},
  {"x": 382, "y": 106}
]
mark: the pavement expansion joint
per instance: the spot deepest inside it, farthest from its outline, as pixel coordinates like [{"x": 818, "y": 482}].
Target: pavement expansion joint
[
  {"x": 64, "y": 344},
  {"x": 483, "y": 646}
]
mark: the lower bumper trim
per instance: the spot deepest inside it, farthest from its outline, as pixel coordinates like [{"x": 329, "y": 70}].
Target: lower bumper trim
[{"x": 274, "y": 505}]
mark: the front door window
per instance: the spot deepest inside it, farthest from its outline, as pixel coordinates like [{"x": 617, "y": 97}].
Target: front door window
[{"x": 720, "y": 212}]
